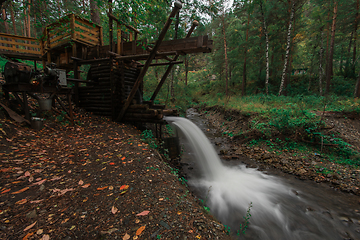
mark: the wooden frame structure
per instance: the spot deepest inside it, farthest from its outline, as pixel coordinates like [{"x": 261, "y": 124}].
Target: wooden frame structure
[{"x": 114, "y": 86}]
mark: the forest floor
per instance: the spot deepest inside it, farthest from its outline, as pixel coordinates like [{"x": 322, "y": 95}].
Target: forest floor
[
  {"x": 303, "y": 164},
  {"x": 94, "y": 180}
]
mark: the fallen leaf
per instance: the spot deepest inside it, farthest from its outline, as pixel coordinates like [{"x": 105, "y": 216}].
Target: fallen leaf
[
  {"x": 22, "y": 201},
  {"x": 124, "y": 187},
  {"x": 37, "y": 201},
  {"x": 114, "y": 210},
  {"x": 39, "y": 182},
  {"x": 86, "y": 185},
  {"x": 126, "y": 236},
  {"x": 27, "y": 174},
  {"x": 102, "y": 188},
  {"x": 30, "y": 226},
  {"x": 31, "y": 179},
  {"x": 39, "y": 232},
  {"x": 111, "y": 188},
  {"x": 45, "y": 237},
  {"x": 110, "y": 231},
  {"x": 144, "y": 213},
  {"x": 21, "y": 190},
  {"x": 140, "y": 230},
  {"x": 123, "y": 158},
  {"x": 112, "y": 163},
  {"x": 81, "y": 182},
  {"x": 6, "y": 190},
  {"x": 28, "y": 235}
]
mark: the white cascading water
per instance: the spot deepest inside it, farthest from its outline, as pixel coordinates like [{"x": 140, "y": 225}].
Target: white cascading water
[{"x": 236, "y": 187}]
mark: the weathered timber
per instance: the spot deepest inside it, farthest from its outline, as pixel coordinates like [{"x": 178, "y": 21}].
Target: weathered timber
[
  {"x": 175, "y": 10},
  {"x": 168, "y": 70}
]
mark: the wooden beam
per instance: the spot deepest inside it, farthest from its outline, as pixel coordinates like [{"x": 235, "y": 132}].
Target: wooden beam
[
  {"x": 168, "y": 70},
  {"x": 122, "y": 23},
  {"x": 139, "y": 56},
  {"x": 162, "y": 64},
  {"x": 176, "y": 9}
]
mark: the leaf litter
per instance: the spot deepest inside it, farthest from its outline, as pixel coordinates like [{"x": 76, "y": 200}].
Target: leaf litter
[{"x": 70, "y": 199}]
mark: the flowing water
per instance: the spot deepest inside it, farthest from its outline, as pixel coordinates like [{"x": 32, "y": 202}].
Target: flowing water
[{"x": 281, "y": 208}]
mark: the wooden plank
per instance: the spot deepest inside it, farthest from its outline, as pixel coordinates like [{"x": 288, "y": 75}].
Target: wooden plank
[
  {"x": 87, "y": 36},
  {"x": 83, "y": 41},
  {"x": 21, "y": 50},
  {"x": 18, "y": 37},
  {"x": 60, "y": 43},
  {"x": 20, "y": 44},
  {"x": 86, "y": 22},
  {"x": 59, "y": 37},
  {"x": 91, "y": 30},
  {"x": 72, "y": 27}
]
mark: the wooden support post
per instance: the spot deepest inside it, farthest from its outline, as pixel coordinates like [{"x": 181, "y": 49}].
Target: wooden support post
[
  {"x": 101, "y": 36},
  {"x": 18, "y": 99},
  {"x": 118, "y": 39},
  {"x": 153, "y": 52},
  {"x": 26, "y": 106},
  {"x": 168, "y": 70},
  {"x": 72, "y": 27},
  {"x": 76, "y": 87},
  {"x": 48, "y": 45},
  {"x": 110, "y": 27}
]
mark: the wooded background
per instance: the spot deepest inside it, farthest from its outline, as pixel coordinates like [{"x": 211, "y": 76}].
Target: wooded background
[{"x": 281, "y": 47}]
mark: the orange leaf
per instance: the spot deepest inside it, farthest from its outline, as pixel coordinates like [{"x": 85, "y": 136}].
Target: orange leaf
[
  {"x": 112, "y": 163},
  {"x": 22, "y": 201},
  {"x": 30, "y": 226},
  {"x": 21, "y": 190},
  {"x": 6, "y": 190},
  {"x": 124, "y": 187},
  {"x": 126, "y": 237},
  {"x": 86, "y": 185},
  {"x": 27, "y": 236},
  {"x": 123, "y": 158},
  {"x": 102, "y": 188},
  {"x": 140, "y": 230}
]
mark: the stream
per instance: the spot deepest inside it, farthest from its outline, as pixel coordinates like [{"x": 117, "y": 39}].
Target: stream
[{"x": 281, "y": 206}]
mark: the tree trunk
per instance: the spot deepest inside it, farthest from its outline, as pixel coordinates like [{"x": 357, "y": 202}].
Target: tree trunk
[
  {"x": 281, "y": 90},
  {"x": 186, "y": 69},
  {"x": 321, "y": 70},
  {"x": 28, "y": 20},
  {"x": 225, "y": 54},
  {"x": 267, "y": 50},
  {"x": 357, "y": 87},
  {"x": 12, "y": 16},
  {"x": 4, "y": 18},
  {"x": 94, "y": 12},
  {"x": 329, "y": 65},
  {"x": 243, "y": 87},
  {"x": 355, "y": 36}
]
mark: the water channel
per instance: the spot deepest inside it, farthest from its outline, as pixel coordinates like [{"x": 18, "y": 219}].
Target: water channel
[{"x": 282, "y": 206}]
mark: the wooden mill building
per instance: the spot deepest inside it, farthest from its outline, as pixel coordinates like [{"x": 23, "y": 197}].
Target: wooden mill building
[{"x": 114, "y": 84}]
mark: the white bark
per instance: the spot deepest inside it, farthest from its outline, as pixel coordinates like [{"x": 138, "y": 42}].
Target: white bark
[{"x": 287, "y": 48}]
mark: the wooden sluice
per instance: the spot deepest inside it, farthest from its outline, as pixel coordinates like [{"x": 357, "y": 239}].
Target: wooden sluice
[{"x": 114, "y": 84}]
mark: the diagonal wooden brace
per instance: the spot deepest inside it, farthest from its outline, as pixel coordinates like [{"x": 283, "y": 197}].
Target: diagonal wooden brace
[
  {"x": 168, "y": 70},
  {"x": 153, "y": 52}
]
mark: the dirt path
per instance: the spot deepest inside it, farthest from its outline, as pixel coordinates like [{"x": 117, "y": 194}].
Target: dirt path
[
  {"x": 311, "y": 165},
  {"x": 96, "y": 180}
]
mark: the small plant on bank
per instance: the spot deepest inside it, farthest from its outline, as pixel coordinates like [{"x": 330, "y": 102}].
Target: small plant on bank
[
  {"x": 244, "y": 226},
  {"x": 148, "y": 137}
]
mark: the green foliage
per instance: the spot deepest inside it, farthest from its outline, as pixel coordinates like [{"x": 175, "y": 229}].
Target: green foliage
[
  {"x": 244, "y": 226},
  {"x": 148, "y": 137}
]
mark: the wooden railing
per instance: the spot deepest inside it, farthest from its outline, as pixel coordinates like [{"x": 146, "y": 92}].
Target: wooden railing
[
  {"x": 72, "y": 28},
  {"x": 19, "y": 44}
]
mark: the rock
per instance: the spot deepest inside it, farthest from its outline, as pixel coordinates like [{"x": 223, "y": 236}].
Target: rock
[
  {"x": 164, "y": 224},
  {"x": 301, "y": 171},
  {"x": 223, "y": 152},
  {"x": 31, "y": 214}
]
